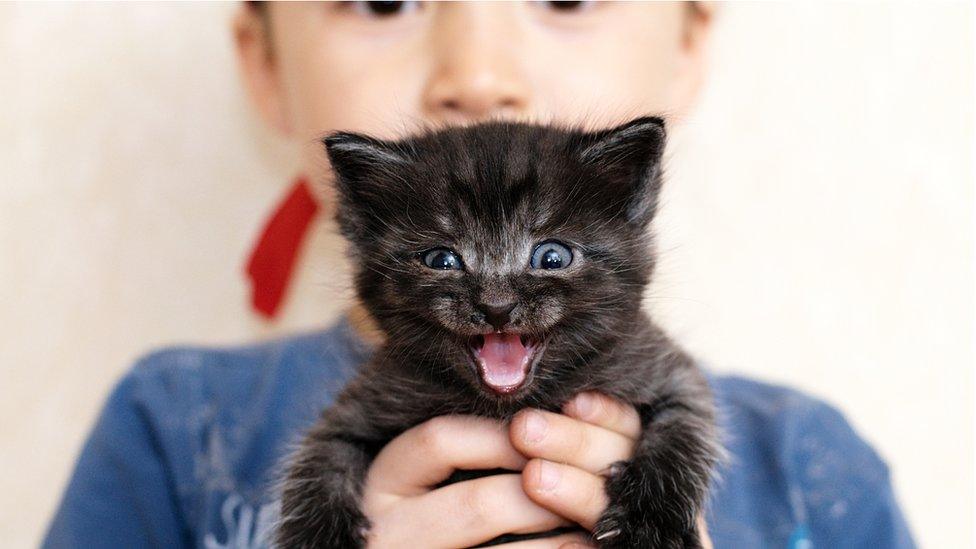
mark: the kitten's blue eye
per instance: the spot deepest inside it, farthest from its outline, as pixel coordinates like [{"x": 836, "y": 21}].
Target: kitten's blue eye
[
  {"x": 442, "y": 259},
  {"x": 551, "y": 255}
]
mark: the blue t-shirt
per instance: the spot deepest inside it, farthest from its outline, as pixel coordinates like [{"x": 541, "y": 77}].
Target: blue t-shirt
[{"x": 191, "y": 439}]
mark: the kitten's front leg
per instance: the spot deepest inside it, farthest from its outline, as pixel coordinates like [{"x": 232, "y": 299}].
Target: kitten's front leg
[
  {"x": 320, "y": 500},
  {"x": 656, "y": 496}
]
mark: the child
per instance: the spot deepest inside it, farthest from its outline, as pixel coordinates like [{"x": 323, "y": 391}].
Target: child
[{"x": 185, "y": 449}]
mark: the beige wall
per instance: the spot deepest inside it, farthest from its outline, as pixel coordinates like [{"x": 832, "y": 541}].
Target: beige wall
[{"x": 817, "y": 228}]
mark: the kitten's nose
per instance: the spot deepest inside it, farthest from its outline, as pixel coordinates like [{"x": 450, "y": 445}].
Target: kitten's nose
[{"x": 497, "y": 314}]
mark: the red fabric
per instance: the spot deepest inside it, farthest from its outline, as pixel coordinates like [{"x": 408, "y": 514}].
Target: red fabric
[{"x": 276, "y": 251}]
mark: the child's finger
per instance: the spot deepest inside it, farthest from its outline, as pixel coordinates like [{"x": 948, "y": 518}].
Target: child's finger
[
  {"x": 604, "y": 411},
  {"x": 427, "y": 454},
  {"x": 565, "y": 490},
  {"x": 465, "y": 514},
  {"x": 565, "y": 541},
  {"x": 559, "y": 438}
]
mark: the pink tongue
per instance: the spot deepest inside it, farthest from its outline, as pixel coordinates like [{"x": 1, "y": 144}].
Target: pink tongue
[{"x": 504, "y": 361}]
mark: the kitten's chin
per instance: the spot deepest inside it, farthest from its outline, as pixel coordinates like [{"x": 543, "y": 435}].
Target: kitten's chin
[{"x": 505, "y": 360}]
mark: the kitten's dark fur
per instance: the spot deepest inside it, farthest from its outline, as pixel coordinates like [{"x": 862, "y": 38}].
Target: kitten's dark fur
[{"x": 491, "y": 192}]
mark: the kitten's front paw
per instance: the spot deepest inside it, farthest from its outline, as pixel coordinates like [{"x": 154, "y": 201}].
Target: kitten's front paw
[
  {"x": 326, "y": 527},
  {"x": 609, "y": 534},
  {"x": 642, "y": 514}
]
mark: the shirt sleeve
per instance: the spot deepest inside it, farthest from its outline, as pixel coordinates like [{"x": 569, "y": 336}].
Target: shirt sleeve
[
  {"x": 842, "y": 490},
  {"x": 121, "y": 492}
]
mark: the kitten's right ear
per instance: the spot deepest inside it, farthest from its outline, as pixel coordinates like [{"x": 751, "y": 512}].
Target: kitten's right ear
[
  {"x": 368, "y": 171},
  {"x": 359, "y": 159}
]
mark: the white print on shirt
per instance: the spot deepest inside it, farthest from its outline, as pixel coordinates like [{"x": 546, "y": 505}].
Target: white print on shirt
[{"x": 244, "y": 531}]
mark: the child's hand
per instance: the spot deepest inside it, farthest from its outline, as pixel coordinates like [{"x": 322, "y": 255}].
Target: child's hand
[
  {"x": 405, "y": 511},
  {"x": 569, "y": 452}
]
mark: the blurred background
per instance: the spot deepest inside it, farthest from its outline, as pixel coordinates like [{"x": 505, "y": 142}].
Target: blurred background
[{"x": 817, "y": 228}]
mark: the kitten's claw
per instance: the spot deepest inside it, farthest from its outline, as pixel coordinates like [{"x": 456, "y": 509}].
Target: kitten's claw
[
  {"x": 607, "y": 535},
  {"x": 613, "y": 470}
]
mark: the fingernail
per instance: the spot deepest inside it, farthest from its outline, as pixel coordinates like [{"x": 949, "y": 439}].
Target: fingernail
[
  {"x": 584, "y": 404},
  {"x": 548, "y": 476},
  {"x": 535, "y": 427}
]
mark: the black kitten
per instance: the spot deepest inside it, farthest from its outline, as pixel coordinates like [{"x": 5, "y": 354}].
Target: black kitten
[{"x": 505, "y": 263}]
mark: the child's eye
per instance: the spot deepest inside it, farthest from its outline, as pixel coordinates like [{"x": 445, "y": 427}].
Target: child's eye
[
  {"x": 383, "y": 9},
  {"x": 563, "y": 6},
  {"x": 551, "y": 255},
  {"x": 441, "y": 259}
]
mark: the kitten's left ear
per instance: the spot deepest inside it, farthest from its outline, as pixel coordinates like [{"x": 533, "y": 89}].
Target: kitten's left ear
[{"x": 629, "y": 156}]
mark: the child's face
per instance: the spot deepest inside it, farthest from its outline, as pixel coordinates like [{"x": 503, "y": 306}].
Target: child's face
[{"x": 380, "y": 67}]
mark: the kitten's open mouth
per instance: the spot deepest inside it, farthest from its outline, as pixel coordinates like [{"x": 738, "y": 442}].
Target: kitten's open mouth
[{"x": 504, "y": 359}]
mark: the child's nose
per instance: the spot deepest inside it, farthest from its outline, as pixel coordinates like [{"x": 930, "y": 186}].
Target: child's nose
[{"x": 475, "y": 71}]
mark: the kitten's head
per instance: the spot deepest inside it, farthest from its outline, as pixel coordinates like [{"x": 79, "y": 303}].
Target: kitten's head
[{"x": 503, "y": 254}]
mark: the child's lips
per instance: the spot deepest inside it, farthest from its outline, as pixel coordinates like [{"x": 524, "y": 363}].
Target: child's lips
[{"x": 503, "y": 359}]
